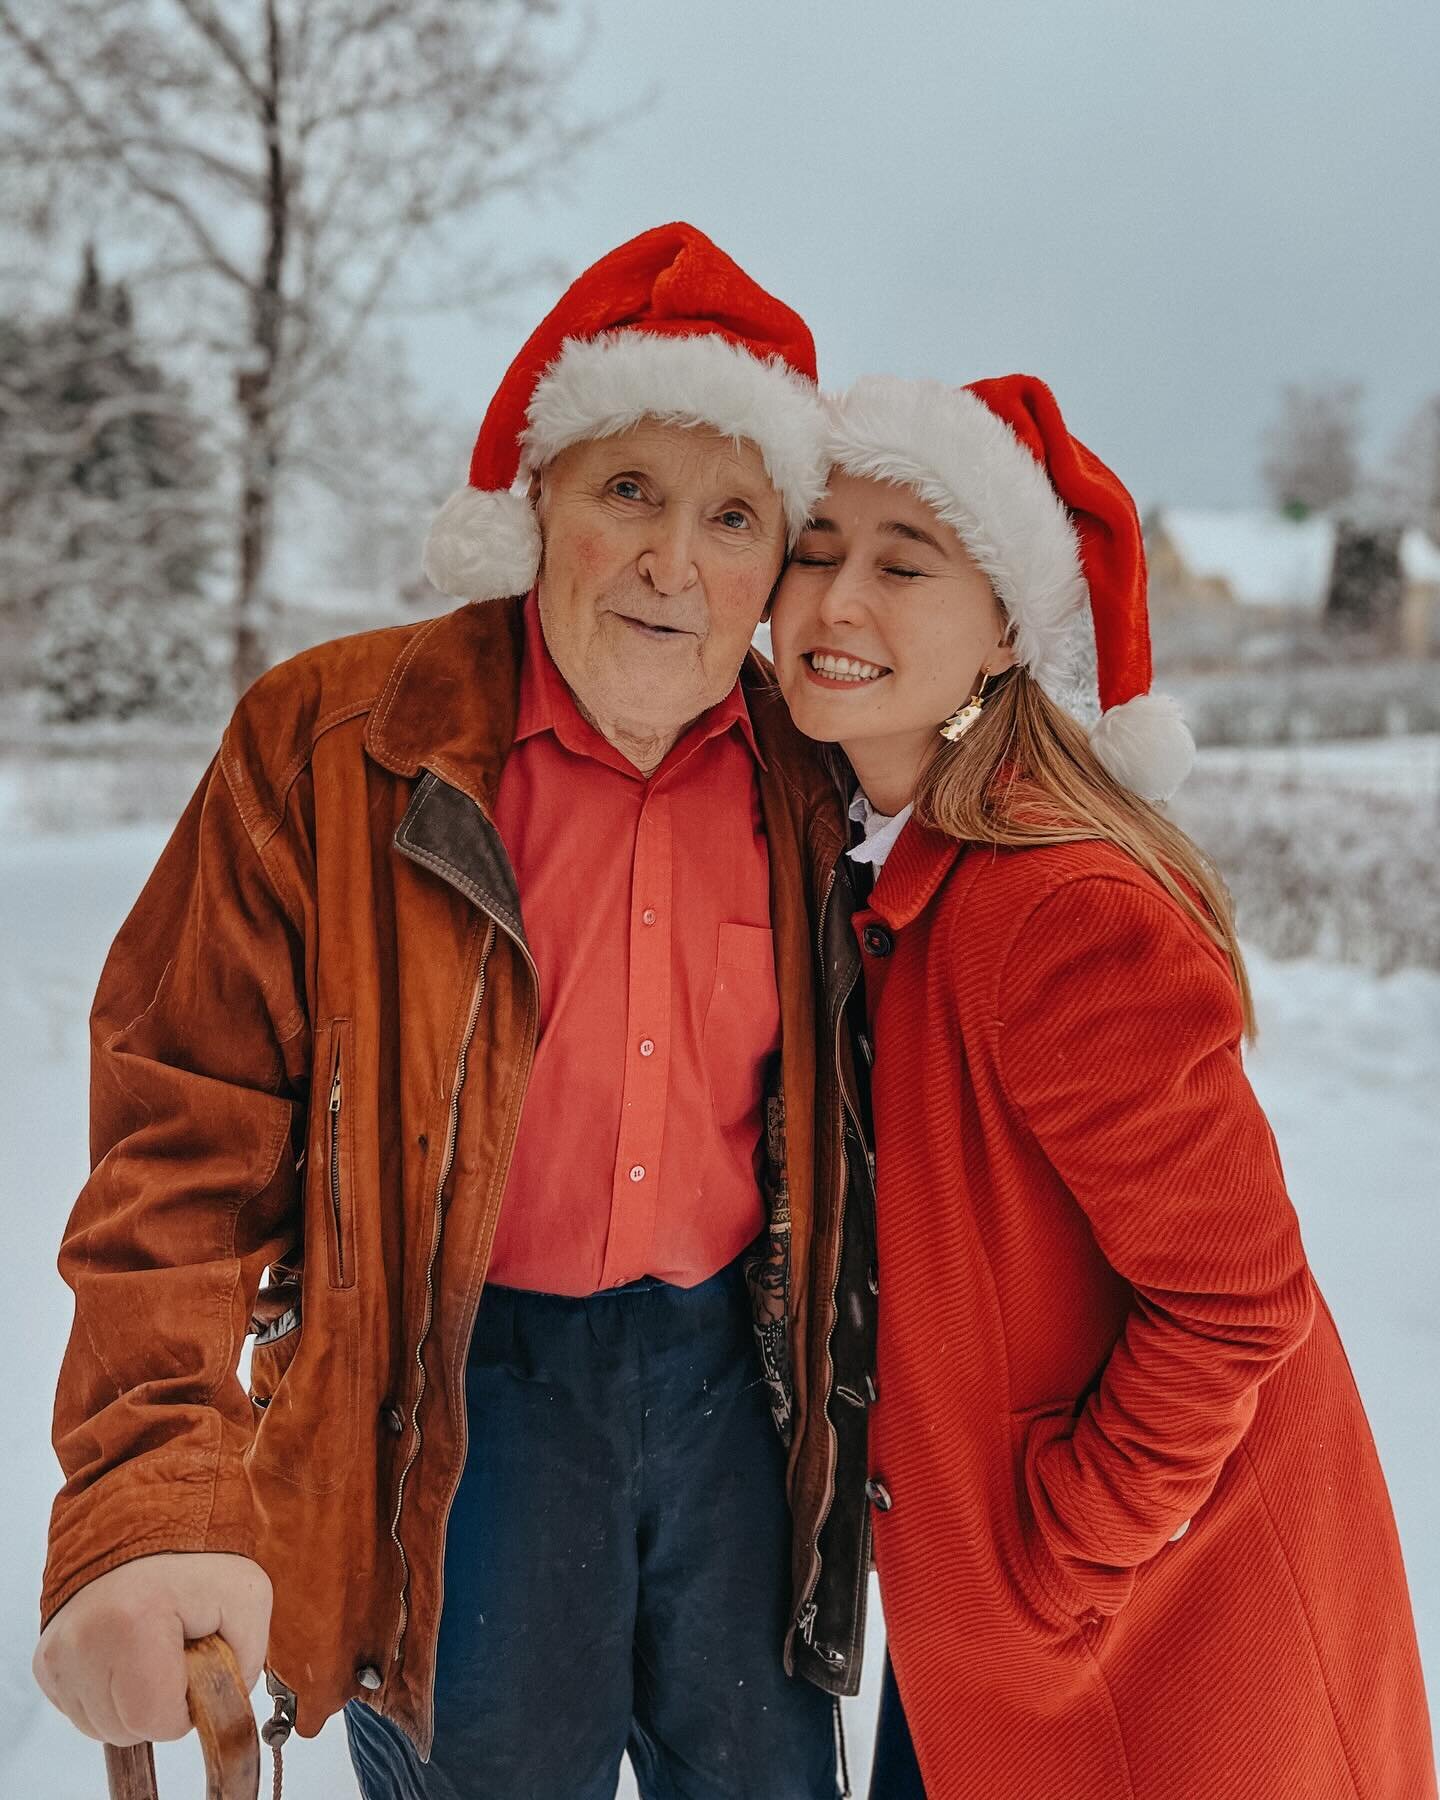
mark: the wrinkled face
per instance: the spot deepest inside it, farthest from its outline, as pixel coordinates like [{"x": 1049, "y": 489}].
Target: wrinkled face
[
  {"x": 882, "y": 622},
  {"x": 661, "y": 548}
]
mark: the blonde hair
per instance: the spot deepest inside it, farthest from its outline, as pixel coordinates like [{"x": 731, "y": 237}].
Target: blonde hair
[{"x": 1025, "y": 774}]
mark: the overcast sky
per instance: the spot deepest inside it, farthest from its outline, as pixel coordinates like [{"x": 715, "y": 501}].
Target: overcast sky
[{"x": 1164, "y": 209}]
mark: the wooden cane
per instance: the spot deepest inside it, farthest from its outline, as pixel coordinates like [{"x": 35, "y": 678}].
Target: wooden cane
[{"x": 220, "y": 1708}]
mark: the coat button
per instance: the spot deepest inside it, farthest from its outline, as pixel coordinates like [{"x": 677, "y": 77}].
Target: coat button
[
  {"x": 1176, "y": 1536},
  {"x": 872, "y": 1278},
  {"x": 878, "y": 1495},
  {"x": 392, "y": 1419},
  {"x": 877, "y": 940},
  {"x": 260, "y": 1400},
  {"x": 368, "y": 1677}
]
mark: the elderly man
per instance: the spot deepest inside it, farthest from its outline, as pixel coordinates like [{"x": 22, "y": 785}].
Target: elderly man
[{"x": 473, "y": 999}]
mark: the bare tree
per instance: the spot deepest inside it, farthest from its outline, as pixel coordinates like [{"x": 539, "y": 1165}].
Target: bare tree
[
  {"x": 1311, "y": 459},
  {"x": 1411, "y": 482},
  {"x": 284, "y": 163}
]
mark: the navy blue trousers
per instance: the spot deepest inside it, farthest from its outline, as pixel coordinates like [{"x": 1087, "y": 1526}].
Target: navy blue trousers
[
  {"x": 895, "y": 1773},
  {"x": 617, "y": 1567}
]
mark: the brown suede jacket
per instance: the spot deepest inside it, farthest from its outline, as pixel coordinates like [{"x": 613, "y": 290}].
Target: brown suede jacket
[{"x": 310, "y": 1046}]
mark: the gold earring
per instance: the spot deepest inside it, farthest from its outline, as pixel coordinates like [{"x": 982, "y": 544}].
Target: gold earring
[{"x": 955, "y": 727}]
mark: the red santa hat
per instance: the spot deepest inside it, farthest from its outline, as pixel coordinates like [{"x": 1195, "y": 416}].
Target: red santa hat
[
  {"x": 666, "y": 327},
  {"x": 1056, "y": 532}
]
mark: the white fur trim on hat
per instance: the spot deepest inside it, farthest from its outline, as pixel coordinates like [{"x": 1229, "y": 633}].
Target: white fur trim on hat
[
  {"x": 967, "y": 465},
  {"x": 1146, "y": 745},
  {"x": 599, "y": 386},
  {"x": 483, "y": 546}
]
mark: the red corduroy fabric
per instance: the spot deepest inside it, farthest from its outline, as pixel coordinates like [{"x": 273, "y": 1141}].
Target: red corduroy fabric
[{"x": 1097, "y": 1323}]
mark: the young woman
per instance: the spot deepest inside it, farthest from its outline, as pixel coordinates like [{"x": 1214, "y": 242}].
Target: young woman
[{"x": 1132, "y": 1536}]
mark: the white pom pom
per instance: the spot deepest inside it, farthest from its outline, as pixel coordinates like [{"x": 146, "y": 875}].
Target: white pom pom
[
  {"x": 1146, "y": 745},
  {"x": 483, "y": 546}
]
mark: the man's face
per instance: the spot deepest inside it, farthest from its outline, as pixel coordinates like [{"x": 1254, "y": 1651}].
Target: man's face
[{"x": 662, "y": 545}]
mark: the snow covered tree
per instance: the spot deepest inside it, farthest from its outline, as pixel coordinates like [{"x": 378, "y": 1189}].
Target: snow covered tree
[
  {"x": 285, "y": 167},
  {"x": 107, "y": 523},
  {"x": 119, "y": 658},
  {"x": 1411, "y": 482},
  {"x": 1311, "y": 457}
]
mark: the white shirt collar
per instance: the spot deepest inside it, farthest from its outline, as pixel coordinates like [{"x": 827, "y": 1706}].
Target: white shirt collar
[{"x": 880, "y": 829}]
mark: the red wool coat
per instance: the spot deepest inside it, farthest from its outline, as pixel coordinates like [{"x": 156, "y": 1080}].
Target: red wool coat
[{"x": 1096, "y": 1324}]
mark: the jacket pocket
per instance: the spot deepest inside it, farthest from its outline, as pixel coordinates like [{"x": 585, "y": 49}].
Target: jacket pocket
[
  {"x": 1068, "y": 1595},
  {"x": 337, "y": 1167},
  {"x": 304, "y": 1386},
  {"x": 276, "y": 1341}
]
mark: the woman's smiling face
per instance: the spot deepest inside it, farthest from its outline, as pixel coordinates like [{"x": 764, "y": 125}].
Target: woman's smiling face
[{"x": 882, "y": 626}]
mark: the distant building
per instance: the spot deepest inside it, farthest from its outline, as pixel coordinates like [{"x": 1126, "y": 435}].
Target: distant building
[{"x": 1278, "y": 568}]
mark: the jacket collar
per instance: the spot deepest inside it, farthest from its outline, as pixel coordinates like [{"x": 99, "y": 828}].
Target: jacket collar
[
  {"x": 790, "y": 763},
  {"x": 546, "y": 704},
  {"x": 451, "y": 705},
  {"x": 913, "y": 872},
  {"x": 451, "y": 700}
]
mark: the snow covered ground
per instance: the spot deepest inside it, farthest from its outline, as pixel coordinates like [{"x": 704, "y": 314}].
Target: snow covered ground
[
  {"x": 1407, "y": 765},
  {"x": 1348, "y": 1067}
]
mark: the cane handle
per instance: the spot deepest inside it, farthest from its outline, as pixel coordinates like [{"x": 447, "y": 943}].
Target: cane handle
[{"x": 224, "y": 1721}]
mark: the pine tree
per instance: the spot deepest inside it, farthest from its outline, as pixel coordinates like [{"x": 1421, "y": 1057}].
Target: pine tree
[{"x": 107, "y": 528}]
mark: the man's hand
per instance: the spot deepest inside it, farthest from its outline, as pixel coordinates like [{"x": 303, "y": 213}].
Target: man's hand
[{"x": 113, "y": 1658}]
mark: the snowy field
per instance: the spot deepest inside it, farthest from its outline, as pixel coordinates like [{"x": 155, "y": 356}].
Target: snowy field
[
  {"x": 1407, "y": 766},
  {"x": 1348, "y": 1067}
]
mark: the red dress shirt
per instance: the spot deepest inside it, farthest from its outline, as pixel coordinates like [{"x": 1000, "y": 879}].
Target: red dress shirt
[{"x": 647, "y": 907}]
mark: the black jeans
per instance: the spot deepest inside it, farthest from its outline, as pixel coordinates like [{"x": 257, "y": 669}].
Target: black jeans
[
  {"x": 895, "y": 1774},
  {"x": 617, "y": 1568}
]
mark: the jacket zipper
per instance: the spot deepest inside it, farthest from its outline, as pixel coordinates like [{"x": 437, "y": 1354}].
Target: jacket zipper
[
  {"x": 806, "y": 1612},
  {"x": 469, "y": 1324},
  {"x": 335, "y": 1207},
  {"x": 446, "y": 1162}
]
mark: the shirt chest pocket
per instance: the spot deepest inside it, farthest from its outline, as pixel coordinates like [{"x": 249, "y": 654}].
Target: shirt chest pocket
[{"x": 742, "y": 1025}]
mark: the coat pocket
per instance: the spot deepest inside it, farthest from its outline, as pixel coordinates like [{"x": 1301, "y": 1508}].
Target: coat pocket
[
  {"x": 277, "y": 1337},
  {"x": 1065, "y": 1593},
  {"x": 304, "y": 1385},
  {"x": 335, "y": 1165}
]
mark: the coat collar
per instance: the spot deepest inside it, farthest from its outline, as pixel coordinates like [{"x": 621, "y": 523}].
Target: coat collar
[
  {"x": 451, "y": 705},
  {"x": 451, "y": 700},
  {"x": 913, "y": 872}
]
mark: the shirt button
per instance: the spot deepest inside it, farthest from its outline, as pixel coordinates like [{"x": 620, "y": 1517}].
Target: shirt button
[
  {"x": 638, "y": 1172},
  {"x": 878, "y": 1495},
  {"x": 649, "y": 916},
  {"x": 647, "y": 1046}
]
